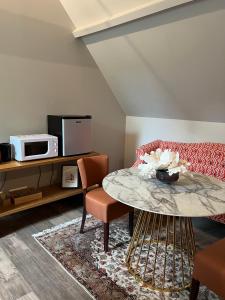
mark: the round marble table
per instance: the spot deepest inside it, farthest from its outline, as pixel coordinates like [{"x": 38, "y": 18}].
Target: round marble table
[{"x": 161, "y": 251}]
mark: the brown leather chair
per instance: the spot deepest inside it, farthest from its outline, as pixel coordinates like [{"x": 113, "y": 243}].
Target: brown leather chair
[
  {"x": 209, "y": 269},
  {"x": 96, "y": 201}
]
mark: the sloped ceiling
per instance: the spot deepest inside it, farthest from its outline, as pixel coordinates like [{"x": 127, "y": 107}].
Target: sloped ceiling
[{"x": 167, "y": 65}]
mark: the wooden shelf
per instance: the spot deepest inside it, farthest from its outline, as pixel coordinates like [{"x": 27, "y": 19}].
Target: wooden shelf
[
  {"x": 50, "y": 194},
  {"x": 16, "y": 165}
]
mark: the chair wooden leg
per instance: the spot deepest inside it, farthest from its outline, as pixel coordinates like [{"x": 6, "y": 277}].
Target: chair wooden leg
[
  {"x": 131, "y": 222},
  {"x": 106, "y": 237},
  {"x": 83, "y": 220},
  {"x": 194, "y": 289}
]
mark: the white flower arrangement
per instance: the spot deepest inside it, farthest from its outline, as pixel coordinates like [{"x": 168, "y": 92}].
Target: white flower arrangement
[{"x": 162, "y": 160}]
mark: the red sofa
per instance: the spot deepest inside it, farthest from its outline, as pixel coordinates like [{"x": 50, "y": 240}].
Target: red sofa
[{"x": 205, "y": 158}]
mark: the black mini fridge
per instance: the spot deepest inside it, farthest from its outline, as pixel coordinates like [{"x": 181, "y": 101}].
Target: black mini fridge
[{"x": 73, "y": 132}]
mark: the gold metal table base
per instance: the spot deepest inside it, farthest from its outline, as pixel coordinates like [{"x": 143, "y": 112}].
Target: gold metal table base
[{"x": 161, "y": 251}]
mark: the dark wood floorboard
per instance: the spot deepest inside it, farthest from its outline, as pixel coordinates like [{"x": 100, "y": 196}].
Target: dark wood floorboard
[{"x": 27, "y": 272}]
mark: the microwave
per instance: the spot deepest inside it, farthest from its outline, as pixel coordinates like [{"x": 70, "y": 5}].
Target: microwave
[{"x": 35, "y": 146}]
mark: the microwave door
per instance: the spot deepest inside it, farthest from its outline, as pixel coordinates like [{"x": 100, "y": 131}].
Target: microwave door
[
  {"x": 76, "y": 136},
  {"x": 35, "y": 148}
]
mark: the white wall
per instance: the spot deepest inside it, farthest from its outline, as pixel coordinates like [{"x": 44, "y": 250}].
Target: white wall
[
  {"x": 141, "y": 131},
  {"x": 168, "y": 65},
  {"x": 43, "y": 70}
]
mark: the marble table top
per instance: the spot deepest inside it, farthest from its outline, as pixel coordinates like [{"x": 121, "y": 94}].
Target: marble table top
[{"x": 191, "y": 196}]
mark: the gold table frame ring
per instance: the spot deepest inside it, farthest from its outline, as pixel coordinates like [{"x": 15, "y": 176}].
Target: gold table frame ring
[{"x": 161, "y": 251}]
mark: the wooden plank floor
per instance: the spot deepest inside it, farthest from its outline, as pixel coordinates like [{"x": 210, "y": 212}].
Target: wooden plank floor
[{"x": 27, "y": 272}]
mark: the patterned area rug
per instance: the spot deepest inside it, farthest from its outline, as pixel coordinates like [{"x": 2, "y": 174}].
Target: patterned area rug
[{"x": 104, "y": 276}]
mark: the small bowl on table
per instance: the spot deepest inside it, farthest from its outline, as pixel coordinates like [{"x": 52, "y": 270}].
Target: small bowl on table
[{"x": 163, "y": 176}]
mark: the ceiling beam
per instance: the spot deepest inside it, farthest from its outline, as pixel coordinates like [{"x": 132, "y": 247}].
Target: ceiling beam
[{"x": 153, "y": 7}]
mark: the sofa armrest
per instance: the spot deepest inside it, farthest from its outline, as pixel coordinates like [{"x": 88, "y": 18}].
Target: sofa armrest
[{"x": 147, "y": 148}]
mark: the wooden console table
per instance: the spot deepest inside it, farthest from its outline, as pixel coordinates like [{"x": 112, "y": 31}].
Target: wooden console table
[{"x": 51, "y": 193}]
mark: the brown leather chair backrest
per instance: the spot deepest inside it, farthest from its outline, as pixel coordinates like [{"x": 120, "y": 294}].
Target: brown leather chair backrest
[{"x": 93, "y": 169}]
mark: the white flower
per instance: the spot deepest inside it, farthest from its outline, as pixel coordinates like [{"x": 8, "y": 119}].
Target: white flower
[
  {"x": 147, "y": 170},
  {"x": 162, "y": 160}
]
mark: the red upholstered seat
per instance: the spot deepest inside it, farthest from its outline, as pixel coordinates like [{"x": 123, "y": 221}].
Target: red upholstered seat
[
  {"x": 209, "y": 269},
  {"x": 96, "y": 201},
  {"x": 104, "y": 207},
  {"x": 205, "y": 158}
]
